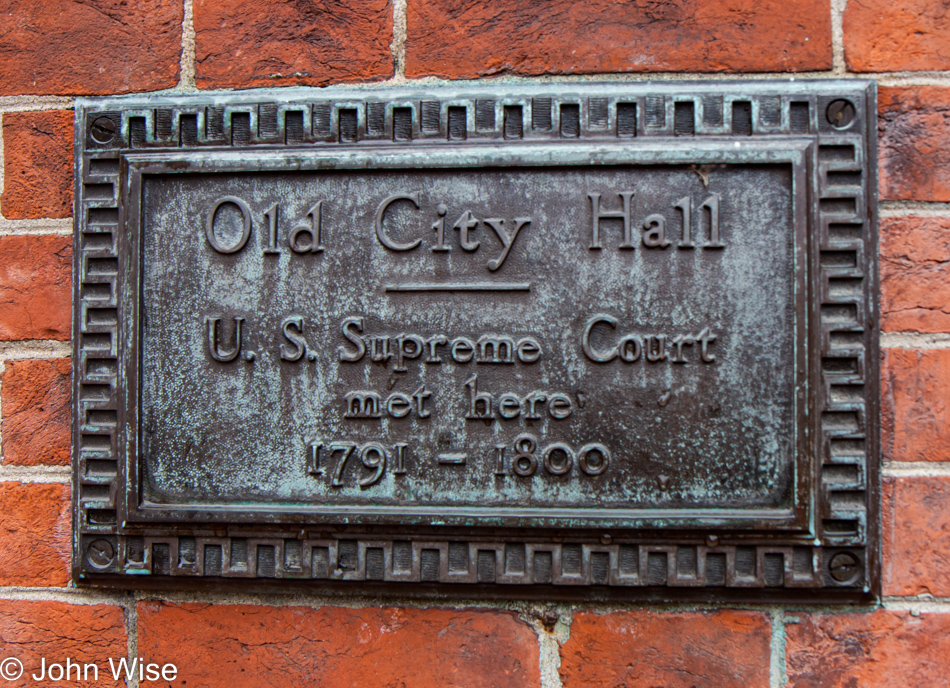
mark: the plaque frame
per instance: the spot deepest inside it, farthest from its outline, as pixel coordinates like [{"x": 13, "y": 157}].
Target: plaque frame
[{"x": 830, "y": 555}]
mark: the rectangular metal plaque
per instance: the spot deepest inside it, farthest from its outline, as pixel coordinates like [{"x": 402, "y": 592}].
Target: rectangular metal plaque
[{"x": 597, "y": 340}]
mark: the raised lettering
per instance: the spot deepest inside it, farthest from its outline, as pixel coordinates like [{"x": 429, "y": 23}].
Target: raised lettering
[
  {"x": 629, "y": 348},
  {"x": 712, "y": 205},
  {"x": 439, "y": 228},
  {"x": 246, "y": 225},
  {"x": 292, "y": 328},
  {"x": 463, "y": 350},
  {"x": 589, "y": 351},
  {"x": 313, "y": 452},
  {"x": 507, "y": 239},
  {"x": 432, "y": 343},
  {"x": 465, "y": 224},
  {"x": 347, "y": 449},
  {"x": 398, "y": 406},
  {"x": 214, "y": 346},
  {"x": 525, "y": 462},
  {"x": 623, "y": 214},
  {"x": 656, "y": 348},
  {"x": 590, "y": 466},
  {"x": 381, "y": 211},
  {"x": 379, "y": 465},
  {"x": 679, "y": 342},
  {"x": 655, "y": 236},
  {"x": 509, "y": 406},
  {"x": 560, "y": 406},
  {"x": 529, "y": 351},
  {"x": 403, "y": 352},
  {"x": 355, "y": 324},
  {"x": 311, "y": 230},
  {"x": 476, "y": 398},
  {"x": 706, "y": 339},
  {"x": 502, "y": 349},
  {"x": 362, "y": 405},
  {"x": 558, "y": 468},
  {"x": 420, "y": 395},
  {"x": 684, "y": 206},
  {"x": 271, "y": 217},
  {"x": 400, "y": 451}
]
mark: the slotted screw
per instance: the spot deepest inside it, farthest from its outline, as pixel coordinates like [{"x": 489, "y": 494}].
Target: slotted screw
[
  {"x": 843, "y": 567},
  {"x": 100, "y": 554},
  {"x": 840, "y": 113},
  {"x": 102, "y": 130}
]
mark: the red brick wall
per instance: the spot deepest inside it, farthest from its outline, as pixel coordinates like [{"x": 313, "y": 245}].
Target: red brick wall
[{"x": 51, "y": 52}]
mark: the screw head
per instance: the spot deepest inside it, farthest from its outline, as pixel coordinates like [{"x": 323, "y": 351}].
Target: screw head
[
  {"x": 840, "y": 114},
  {"x": 102, "y": 130},
  {"x": 99, "y": 554},
  {"x": 844, "y": 567}
]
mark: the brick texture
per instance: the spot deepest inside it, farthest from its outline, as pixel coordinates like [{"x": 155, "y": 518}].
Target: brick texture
[
  {"x": 34, "y": 401},
  {"x": 34, "y": 534},
  {"x": 240, "y": 43},
  {"x": 35, "y": 277},
  {"x": 459, "y": 39},
  {"x": 673, "y": 650},
  {"x": 237, "y": 646},
  {"x": 888, "y": 36},
  {"x": 50, "y": 47},
  {"x": 55, "y": 631},
  {"x": 914, "y": 143},
  {"x": 916, "y": 524},
  {"x": 915, "y": 408},
  {"x": 879, "y": 650},
  {"x": 38, "y": 165},
  {"x": 915, "y": 274}
]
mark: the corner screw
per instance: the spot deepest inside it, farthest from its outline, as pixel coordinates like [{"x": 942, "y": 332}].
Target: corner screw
[
  {"x": 102, "y": 130},
  {"x": 99, "y": 554},
  {"x": 844, "y": 567},
  {"x": 840, "y": 114}
]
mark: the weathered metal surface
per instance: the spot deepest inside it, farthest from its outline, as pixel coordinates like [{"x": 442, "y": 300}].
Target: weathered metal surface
[{"x": 591, "y": 335}]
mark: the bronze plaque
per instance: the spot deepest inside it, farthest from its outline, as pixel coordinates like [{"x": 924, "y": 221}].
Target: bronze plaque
[{"x": 594, "y": 338}]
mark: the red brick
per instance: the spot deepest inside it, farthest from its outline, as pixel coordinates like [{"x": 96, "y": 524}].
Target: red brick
[
  {"x": 35, "y": 287},
  {"x": 38, "y": 165},
  {"x": 883, "y": 649},
  {"x": 915, "y": 274},
  {"x": 34, "y": 534},
  {"x": 35, "y": 412},
  {"x": 916, "y": 524},
  {"x": 888, "y": 36},
  {"x": 240, "y": 646},
  {"x": 914, "y": 140},
  {"x": 459, "y": 39},
  {"x": 50, "y": 47},
  {"x": 915, "y": 408},
  {"x": 675, "y": 650},
  {"x": 241, "y": 44},
  {"x": 55, "y": 631}
]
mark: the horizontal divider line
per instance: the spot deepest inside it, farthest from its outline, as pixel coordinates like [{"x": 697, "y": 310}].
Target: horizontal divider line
[{"x": 457, "y": 286}]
